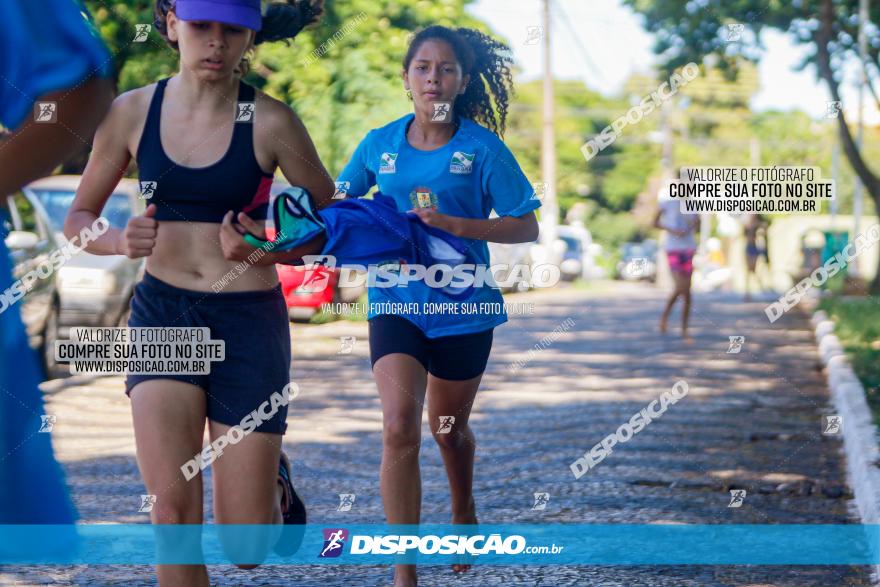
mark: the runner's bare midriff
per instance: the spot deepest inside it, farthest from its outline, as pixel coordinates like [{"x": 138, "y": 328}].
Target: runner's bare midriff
[{"x": 188, "y": 255}]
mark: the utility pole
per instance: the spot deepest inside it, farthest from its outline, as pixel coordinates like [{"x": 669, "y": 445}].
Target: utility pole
[
  {"x": 550, "y": 205},
  {"x": 835, "y": 173},
  {"x": 666, "y": 153},
  {"x": 755, "y": 152}
]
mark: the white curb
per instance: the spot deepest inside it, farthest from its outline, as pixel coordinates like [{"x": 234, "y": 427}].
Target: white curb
[{"x": 859, "y": 431}]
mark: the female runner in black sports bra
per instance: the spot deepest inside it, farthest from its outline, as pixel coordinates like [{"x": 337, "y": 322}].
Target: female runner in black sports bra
[{"x": 207, "y": 146}]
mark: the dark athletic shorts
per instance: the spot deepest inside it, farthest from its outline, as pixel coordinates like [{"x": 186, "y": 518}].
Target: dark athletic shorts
[
  {"x": 457, "y": 357},
  {"x": 254, "y": 327}
]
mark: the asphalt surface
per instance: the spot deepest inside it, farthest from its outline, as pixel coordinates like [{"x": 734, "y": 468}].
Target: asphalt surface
[{"x": 751, "y": 420}]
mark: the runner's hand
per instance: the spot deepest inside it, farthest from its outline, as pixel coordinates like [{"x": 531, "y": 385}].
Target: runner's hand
[
  {"x": 258, "y": 229},
  {"x": 432, "y": 217},
  {"x": 235, "y": 248},
  {"x": 139, "y": 235}
]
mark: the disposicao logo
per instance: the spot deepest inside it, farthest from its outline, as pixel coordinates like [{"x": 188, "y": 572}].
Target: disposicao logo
[{"x": 334, "y": 541}]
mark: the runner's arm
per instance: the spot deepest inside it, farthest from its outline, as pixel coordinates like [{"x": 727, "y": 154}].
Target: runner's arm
[
  {"x": 659, "y": 225},
  {"x": 294, "y": 151},
  {"x": 504, "y": 229},
  {"x": 109, "y": 158},
  {"x": 35, "y": 149}
]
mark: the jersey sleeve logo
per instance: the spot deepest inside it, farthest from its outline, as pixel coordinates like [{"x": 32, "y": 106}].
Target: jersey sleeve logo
[
  {"x": 462, "y": 162},
  {"x": 388, "y": 163}
]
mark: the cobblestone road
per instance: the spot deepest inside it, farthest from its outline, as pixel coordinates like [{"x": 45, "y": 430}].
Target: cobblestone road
[{"x": 751, "y": 421}]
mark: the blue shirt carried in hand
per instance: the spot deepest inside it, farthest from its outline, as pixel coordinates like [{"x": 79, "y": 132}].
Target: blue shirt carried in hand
[{"x": 473, "y": 174}]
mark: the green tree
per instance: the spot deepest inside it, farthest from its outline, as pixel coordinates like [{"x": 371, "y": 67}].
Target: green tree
[
  {"x": 689, "y": 31},
  {"x": 608, "y": 184}
]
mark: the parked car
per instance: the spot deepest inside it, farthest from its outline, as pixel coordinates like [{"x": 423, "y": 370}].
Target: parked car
[
  {"x": 579, "y": 254},
  {"x": 31, "y": 243},
  {"x": 638, "y": 261},
  {"x": 307, "y": 288},
  {"x": 95, "y": 290},
  {"x": 572, "y": 265}
]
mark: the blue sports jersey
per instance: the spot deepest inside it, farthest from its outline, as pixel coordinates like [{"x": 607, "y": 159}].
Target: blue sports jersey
[
  {"x": 45, "y": 45},
  {"x": 473, "y": 174},
  {"x": 32, "y": 489}
]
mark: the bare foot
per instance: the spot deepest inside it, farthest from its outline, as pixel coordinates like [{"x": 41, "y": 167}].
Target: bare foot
[
  {"x": 687, "y": 338},
  {"x": 468, "y": 518},
  {"x": 405, "y": 576},
  {"x": 662, "y": 327}
]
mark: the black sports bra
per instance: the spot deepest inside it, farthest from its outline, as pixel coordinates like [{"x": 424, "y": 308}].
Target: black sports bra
[{"x": 203, "y": 194}]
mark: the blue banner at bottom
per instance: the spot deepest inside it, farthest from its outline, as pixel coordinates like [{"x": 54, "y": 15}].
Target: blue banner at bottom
[{"x": 504, "y": 544}]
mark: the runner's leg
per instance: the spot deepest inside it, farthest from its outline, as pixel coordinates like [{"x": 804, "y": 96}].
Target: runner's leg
[
  {"x": 683, "y": 286},
  {"x": 456, "y": 398},
  {"x": 664, "y": 319},
  {"x": 246, "y": 490},
  {"x": 169, "y": 423},
  {"x": 401, "y": 380},
  {"x": 751, "y": 266}
]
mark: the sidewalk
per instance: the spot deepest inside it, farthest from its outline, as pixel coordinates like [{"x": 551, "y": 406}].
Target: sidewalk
[{"x": 750, "y": 421}]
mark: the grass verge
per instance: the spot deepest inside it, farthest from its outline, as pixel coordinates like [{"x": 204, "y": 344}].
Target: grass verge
[{"x": 857, "y": 325}]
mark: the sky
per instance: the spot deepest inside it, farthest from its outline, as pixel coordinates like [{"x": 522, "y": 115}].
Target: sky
[{"x": 612, "y": 45}]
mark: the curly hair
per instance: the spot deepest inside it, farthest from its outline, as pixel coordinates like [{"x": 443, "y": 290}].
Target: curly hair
[
  {"x": 488, "y": 63},
  {"x": 281, "y": 21}
]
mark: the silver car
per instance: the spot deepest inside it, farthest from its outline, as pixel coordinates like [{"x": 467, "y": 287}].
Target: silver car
[
  {"x": 31, "y": 245},
  {"x": 94, "y": 290}
]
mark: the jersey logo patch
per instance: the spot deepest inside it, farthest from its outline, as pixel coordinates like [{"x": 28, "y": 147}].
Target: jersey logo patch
[
  {"x": 388, "y": 163},
  {"x": 462, "y": 162},
  {"x": 423, "y": 197}
]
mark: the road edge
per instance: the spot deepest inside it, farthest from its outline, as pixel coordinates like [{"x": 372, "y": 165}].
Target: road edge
[{"x": 860, "y": 446}]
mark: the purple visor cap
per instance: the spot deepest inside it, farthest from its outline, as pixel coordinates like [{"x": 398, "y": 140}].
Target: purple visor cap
[{"x": 245, "y": 13}]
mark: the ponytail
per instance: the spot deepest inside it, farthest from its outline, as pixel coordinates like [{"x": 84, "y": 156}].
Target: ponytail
[
  {"x": 488, "y": 63},
  {"x": 285, "y": 20},
  {"x": 281, "y": 20}
]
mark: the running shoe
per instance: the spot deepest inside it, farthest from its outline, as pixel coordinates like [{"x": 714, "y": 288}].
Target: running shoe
[{"x": 293, "y": 513}]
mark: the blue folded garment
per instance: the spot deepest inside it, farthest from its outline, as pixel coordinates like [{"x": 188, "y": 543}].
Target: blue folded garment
[
  {"x": 360, "y": 231},
  {"x": 293, "y": 215}
]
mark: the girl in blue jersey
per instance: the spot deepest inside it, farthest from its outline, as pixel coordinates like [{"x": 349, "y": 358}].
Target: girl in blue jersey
[
  {"x": 446, "y": 163},
  {"x": 207, "y": 146}
]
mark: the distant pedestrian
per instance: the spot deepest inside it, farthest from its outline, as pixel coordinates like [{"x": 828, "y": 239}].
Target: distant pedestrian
[
  {"x": 680, "y": 246},
  {"x": 755, "y": 229}
]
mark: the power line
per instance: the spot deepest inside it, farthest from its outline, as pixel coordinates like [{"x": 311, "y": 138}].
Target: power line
[{"x": 563, "y": 16}]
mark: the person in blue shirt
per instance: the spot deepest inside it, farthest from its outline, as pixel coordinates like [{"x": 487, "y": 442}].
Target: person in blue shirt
[
  {"x": 48, "y": 53},
  {"x": 446, "y": 163}
]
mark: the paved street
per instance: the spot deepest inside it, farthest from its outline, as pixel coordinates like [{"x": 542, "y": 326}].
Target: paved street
[{"x": 750, "y": 421}]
